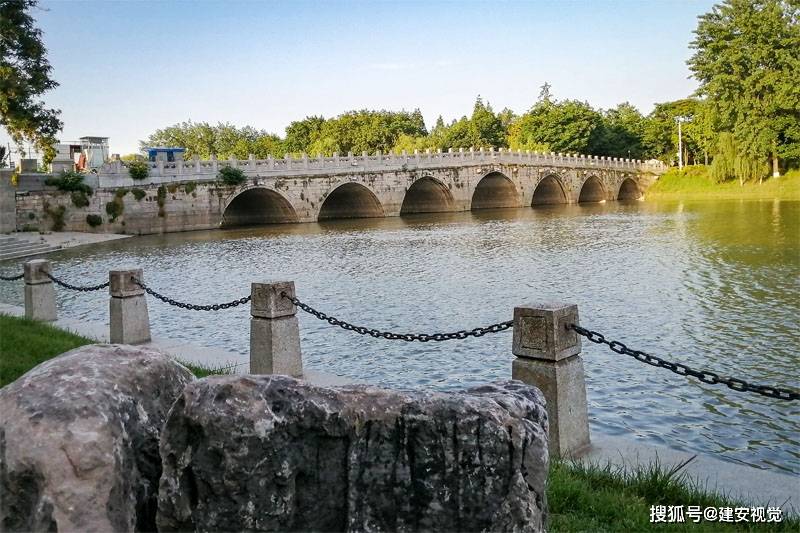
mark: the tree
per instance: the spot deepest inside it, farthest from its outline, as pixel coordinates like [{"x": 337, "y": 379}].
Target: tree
[
  {"x": 620, "y": 133},
  {"x": 747, "y": 60},
  {"x": 550, "y": 126},
  {"x": 24, "y": 77}
]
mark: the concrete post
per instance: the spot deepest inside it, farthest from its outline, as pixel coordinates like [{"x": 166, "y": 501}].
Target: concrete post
[
  {"x": 274, "y": 330},
  {"x": 548, "y": 356},
  {"x": 130, "y": 323},
  {"x": 40, "y": 296}
]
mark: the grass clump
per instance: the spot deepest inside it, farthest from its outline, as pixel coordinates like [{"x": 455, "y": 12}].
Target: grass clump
[
  {"x": 57, "y": 215},
  {"x": 138, "y": 193},
  {"x": 79, "y": 199},
  {"x": 115, "y": 207},
  {"x": 190, "y": 187},
  {"x": 94, "y": 220}
]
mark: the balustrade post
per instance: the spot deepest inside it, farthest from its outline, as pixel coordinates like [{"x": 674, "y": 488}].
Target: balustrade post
[
  {"x": 379, "y": 156},
  {"x": 548, "y": 356},
  {"x": 129, "y": 320},
  {"x": 305, "y": 160},
  {"x": 288, "y": 159},
  {"x": 274, "y": 330},
  {"x": 40, "y": 295},
  {"x": 159, "y": 168},
  {"x": 416, "y": 156},
  {"x": 214, "y": 164}
]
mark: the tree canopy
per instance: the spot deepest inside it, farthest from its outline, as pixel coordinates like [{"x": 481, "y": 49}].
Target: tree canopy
[
  {"x": 747, "y": 60},
  {"x": 25, "y": 74}
]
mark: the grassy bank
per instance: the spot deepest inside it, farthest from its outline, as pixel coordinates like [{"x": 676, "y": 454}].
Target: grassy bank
[
  {"x": 695, "y": 183},
  {"x": 26, "y": 343},
  {"x": 580, "y": 498}
]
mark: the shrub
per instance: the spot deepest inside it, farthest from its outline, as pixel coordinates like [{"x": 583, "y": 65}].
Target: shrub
[
  {"x": 138, "y": 170},
  {"x": 189, "y": 187},
  {"x": 161, "y": 198},
  {"x": 115, "y": 207},
  {"x": 79, "y": 199},
  {"x": 172, "y": 188},
  {"x": 231, "y": 176},
  {"x": 69, "y": 180},
  {"x": 94, "y": 220},
  {"x": 57, "y": 215},
  {"x": 138, "y": 193},
  {"x": 119, "y": 193}
]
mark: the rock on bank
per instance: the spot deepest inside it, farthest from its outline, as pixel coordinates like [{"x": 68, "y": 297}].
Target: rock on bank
[{"x": 270, "y": 453}]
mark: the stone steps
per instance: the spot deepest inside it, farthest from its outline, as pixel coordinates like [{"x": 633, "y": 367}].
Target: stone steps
[{"x": 13, "y": 248}]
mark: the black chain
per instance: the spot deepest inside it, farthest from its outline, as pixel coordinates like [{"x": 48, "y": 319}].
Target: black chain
[
  {"x": 408, "y": 337},
  {"x": 192, "y": 307},
  {"x": 75, "y": 287},
  {"x": 12, "y": 278},
  {"x": 706, "y": 376}
]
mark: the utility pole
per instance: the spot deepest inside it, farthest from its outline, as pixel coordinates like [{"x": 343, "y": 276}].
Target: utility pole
[{"x": 680, "y": 143}]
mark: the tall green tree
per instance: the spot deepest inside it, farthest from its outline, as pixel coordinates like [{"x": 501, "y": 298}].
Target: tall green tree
[
  {"x": 747, "y": 60},
  {"x": 25, "y": 74},
  {"x": 556, "y": 126}
]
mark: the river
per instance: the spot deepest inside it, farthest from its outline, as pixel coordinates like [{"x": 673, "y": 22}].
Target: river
[{"x": 711, "y": 284}]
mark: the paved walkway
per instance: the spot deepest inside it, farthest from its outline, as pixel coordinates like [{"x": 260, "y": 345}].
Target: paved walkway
[{"x": 741, "y": 482}]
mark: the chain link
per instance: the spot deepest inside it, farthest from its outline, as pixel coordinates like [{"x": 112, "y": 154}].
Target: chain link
[
  {"x": 76, "y": 287},
  {"x": 706, "y": 376},
  {"x": 191, "y": 307},
  {"x": 12, "y": 278},
  {"x": 408, "y": 337}
]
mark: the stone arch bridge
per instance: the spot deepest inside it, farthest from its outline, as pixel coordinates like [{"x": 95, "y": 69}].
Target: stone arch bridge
[{"x": 310, "y": 189}]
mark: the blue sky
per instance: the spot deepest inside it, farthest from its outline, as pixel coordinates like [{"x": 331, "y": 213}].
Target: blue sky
[{"x": 128, "y": 68}]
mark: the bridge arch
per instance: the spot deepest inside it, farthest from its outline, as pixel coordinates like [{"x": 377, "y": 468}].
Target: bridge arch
[
  {"x": 629, "y": 190},
  {"x": 592, "y": 191},
  {"x": 257, "y": 206},
  {"x": 427, "y": 195},
  {"x": 494, "y": 191},
  {"x": 549, "y": 191},
  {"x": 350, "y": 200}
]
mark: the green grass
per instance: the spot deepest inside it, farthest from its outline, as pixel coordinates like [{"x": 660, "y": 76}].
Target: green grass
[
  {"x": 596, "y": 499},
  {"x": 26, "y": 343},
  {"x": 695, "y": 183},
  {"x": 581, "y": 498}
]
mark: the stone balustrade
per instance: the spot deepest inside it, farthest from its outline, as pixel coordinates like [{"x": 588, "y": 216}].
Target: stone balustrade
[{"x": 201, "y": 170}]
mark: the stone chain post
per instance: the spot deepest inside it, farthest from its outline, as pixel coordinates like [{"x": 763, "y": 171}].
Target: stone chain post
[
  {"x": 130, "y": 323},
  {"x": 274, "y": 330},
  {"x": 548, "y": 356},
  {"x": 40, "y": 295}
]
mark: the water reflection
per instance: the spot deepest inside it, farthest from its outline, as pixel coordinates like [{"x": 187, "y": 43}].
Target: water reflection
[{"x": 710, "y": 284}]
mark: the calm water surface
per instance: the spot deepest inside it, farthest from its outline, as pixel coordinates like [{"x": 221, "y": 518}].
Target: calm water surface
[{"x": 709, "y": 284}]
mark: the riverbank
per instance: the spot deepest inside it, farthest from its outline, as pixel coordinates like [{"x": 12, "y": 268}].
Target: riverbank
[
  {"x": 695, "y": 183},
  {"x": 581, "y": 496}
]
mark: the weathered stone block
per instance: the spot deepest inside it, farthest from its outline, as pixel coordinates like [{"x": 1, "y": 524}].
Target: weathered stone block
[
  {"x": 79, "y": 440},
  {"x": 129, "y": 320},
  {"x": 40, "y": 302},
  {"x": 564, "y": 387},
  {"x": 36, "y": 270},
  {"x": 275, "y": 346},
  {"x": 121, "y": 284},
  {"x": 540, "y": 331},
  {"x": 267, "y": 301},
  {"x": 270, "y": 453}
]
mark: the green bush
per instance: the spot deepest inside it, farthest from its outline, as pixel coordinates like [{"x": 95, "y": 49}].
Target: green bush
[
  {"x": 161, "y": 198},
  {"x": 115, "y": 207},
  {"x": 121, "y": 192},
  {"x": 79, "y": 199},
  {"x": 138, "y": 170},
  {"x": 138, "y": 193},
  {"x": 231, "y": 176},
  {"x": 69, "y": 180},
  {"x": 94, "y": 220},
  {"x": 57, "y": 215},
  {"x": 189, "y": 187}
]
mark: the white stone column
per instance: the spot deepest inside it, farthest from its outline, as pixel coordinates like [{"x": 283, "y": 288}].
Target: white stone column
[
  {"x": 274, "y": 330},
  {"x": 548, "y": 356},
  {"x": 40, "y": 295},
  {"x": 129, "y": 320}
]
